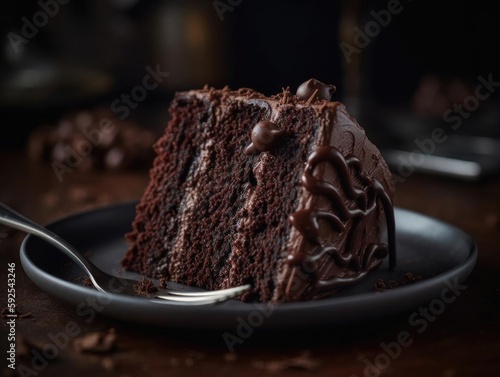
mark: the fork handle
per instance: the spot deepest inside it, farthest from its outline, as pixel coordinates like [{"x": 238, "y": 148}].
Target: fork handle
[{"x": 15, "y": 220}]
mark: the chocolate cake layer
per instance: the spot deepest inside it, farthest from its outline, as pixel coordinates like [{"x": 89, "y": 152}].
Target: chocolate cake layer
[{"x": 285, "y": 193}]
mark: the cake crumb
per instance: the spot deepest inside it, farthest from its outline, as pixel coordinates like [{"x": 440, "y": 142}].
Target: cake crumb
[
  {"x": 96, "y": 342},
  {"x": 87, "y": 282},
  {"x": 163, "y": 283},
  {"x": 380, "y": 285},
  {"x": 145, "y": 287},
  {"x": 302, "y": 362},
  {"x": 392, "y": 284},
  {"x": 409, "y": 278}
]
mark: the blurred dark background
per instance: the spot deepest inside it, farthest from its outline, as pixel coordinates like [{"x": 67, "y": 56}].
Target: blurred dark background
[{"x": 85, "y": 54}]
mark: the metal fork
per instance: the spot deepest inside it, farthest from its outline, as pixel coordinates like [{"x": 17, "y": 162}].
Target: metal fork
[{"x": 105, "y": 282}]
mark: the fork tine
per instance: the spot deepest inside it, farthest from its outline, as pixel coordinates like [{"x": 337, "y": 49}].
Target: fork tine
[
  {"x": 204, "y": 297},
  {"x": 222, "y": 292},
  {"x": 195, "y": 300}
]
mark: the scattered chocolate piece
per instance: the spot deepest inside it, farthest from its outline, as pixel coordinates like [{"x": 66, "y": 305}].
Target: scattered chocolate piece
[
  {"x": 265, "y": 137},
  {"x": 313, "y": 89},
  {"x": 410, "y": 278},
  {"x": 392, "y": 284},
  {"x": 96, "y": 138},
  {"x": 145, "y": 287},
  {"x": 6, "y": 312},
  {"x": 380, "y": 285},
  {"x": 96, "y": 342},
  {"x": 25, "y": 346},
  {"x": 229, "y": 357},
  {"x": 22, "y": 346},
  {"x": 302, "y": 362}
]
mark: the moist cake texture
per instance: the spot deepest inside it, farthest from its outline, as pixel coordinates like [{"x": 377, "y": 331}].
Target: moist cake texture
[{"x": 285, "y": 193}]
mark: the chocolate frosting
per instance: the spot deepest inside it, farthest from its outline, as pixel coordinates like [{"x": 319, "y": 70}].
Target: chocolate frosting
[{"x": 313, "y": 89}]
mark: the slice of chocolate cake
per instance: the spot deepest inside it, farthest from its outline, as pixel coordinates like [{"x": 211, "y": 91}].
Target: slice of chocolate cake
[{"x": 285, "y": 193}]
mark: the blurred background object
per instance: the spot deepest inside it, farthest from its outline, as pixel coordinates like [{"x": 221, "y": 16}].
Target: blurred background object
[
  {"x": 427, "y": 85},
  {"x": 401, "y": 67}
]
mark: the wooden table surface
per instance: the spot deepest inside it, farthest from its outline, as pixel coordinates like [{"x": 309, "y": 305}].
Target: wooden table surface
[{"x": 462, "y": 341}]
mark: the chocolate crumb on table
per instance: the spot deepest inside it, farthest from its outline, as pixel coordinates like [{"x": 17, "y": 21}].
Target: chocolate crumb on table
[
  {"x": 25, "y": 346},
  {"x": 96, "y": 342},
  {"x": 229, "y": 357},
  {"x": 302, "y": 362},
  {"x": 115, "y": 144},
  {"x": 6, "y": 312}
]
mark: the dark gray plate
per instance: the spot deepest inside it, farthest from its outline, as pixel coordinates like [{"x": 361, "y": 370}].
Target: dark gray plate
[{"x": 441, "y": 253}]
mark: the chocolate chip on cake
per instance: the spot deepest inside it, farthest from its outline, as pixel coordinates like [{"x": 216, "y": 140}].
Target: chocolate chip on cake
[
  {"x": 313, "y": 89},
  {"x": 265, "y": 137}
]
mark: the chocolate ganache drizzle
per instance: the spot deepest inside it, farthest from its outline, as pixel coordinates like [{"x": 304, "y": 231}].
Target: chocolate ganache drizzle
[{"x": 359, "y": 258}]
